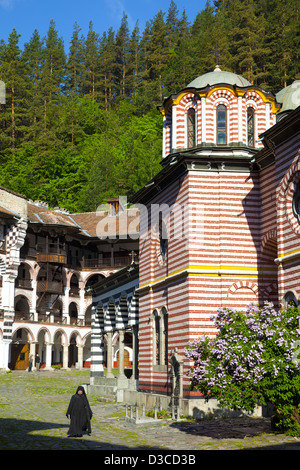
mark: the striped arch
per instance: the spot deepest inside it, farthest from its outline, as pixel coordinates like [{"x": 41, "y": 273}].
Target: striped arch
[
  {"x": 271, "y": 288},
  {"x": 270, "y": 238},
  {"x": 240, "y": 284},
  {"x": 282, "y": 187},
  {"x": 222, "y": 94},
  {"x": 188, "y": 101},
  {"x": 19, "y": 293},
  {"x": 285, "y": 193}
]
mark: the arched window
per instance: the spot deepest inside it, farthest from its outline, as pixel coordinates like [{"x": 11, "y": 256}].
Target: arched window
[
  {"x": 296, "y": 203},
  {"x": 191, "y": 128},
  {"x": 221, "y": 125},
  {"x": 250, "y": 127}
]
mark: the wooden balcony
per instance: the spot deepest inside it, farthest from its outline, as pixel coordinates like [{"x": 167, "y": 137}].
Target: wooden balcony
[
  {"x": 106, "y": 262},
  {"x": 23, "y": 283},
  {"x": 51, "y": 253},
  {"x": 51, "y": 287},
  {"x": 23, "y": 316},
  {"x": 54, "y": 258}
]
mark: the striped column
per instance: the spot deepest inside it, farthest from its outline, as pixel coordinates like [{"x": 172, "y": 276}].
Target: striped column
[{"x": 97, "y": 344}]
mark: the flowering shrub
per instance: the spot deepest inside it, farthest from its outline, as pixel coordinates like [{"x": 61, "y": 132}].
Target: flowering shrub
[{"x": 252, "y": 360}]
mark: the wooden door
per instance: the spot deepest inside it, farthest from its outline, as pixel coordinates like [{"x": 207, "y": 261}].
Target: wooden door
[{"x": 21, "y": 354}]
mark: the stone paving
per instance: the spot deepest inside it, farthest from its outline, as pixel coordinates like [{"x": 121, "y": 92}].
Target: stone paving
[{"x": 32, "y": 417}]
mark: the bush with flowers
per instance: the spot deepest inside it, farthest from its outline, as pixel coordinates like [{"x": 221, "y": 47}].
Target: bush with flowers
[{"x": 252, "y": 360}]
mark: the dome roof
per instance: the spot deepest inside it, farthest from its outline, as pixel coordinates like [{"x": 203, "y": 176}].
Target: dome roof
[
  {"x": 218, "y": 76},
  {"x": 289, "y": 97}
]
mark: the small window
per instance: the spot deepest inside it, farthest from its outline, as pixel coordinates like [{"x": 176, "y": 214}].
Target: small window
[
  {"x": 250, "y": 127},
  {"x": 221, "y": 125},
  {"x": 191, "y": 128},
  {"x": 163, "y": 239}
]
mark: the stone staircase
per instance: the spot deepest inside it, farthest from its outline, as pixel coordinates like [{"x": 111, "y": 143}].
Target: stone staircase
[{"x": 105, "y": 388}]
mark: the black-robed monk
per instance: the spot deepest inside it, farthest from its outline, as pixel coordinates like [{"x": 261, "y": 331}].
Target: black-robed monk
[{"x": 80, "y": 414}]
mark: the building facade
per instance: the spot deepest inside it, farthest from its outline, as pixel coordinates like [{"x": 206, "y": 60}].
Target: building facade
[
  {"x": 219, "y": 224},
  {"x": 49, "y": 261}
]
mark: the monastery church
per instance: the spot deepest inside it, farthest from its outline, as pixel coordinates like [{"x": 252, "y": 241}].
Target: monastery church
[{"x": 127, "y": 289}]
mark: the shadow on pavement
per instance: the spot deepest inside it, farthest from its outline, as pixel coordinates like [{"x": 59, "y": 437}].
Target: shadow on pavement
[
  {"x": 227, "y": 428},
  {"x": 20, "y": 434}
]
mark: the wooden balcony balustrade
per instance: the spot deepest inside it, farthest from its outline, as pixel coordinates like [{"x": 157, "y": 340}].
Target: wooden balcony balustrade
[
  {"x": 23, "y": 316},
  {"x": 23, "y": 283},
  {"x": 107, "y": 262},
  {"x": 51, "y": 253},
  {"x": 52, "y": 287},
  {"x": 49, "y": 318}
]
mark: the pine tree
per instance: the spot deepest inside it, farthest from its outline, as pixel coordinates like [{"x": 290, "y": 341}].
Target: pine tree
[
  {"x": 14, "y": 111},
  {"x": 133, "y": 62},
  {"x": 33, "y": 58},
  {"x": 157, "y": 55},
  {"x": 75, "y": 63},
  {"x": 121, "y": 61},
  {"x": 107, "y": 61},
  {"x": 91, "y": 64}
]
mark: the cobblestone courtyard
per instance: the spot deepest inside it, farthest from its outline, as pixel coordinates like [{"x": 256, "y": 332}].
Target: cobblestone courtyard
[{"x": 32, "y": 417}]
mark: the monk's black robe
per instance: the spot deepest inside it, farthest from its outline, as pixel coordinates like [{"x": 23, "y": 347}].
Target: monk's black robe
[{"x": 80, "y": 414}]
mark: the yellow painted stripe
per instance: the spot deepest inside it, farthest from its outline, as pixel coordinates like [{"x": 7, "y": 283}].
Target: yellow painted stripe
[
  {"x": 289, "y": 253},
  {"x": 184, "y": 270}
]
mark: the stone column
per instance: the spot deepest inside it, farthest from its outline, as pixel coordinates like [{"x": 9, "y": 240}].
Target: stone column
[
  {"x": 80, "y": 356},
  {"x": 34, "y": 295},
  {"x": 109, "y": 373},
  {"x": 121, "y": 353},
  {"x": 81, "y": 307},
  {"x": 32, "y": 351},
  {"x": 65, "y": 356},
  {"x": 65, "y": 314},
  {"x": 4, "y": 354},
  {"x": 48, "y": 356},
  {"x": 134, "y": 375}
]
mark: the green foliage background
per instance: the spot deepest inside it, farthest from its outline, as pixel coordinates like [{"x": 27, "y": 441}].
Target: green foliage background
[{"x": 82, "y": 126}]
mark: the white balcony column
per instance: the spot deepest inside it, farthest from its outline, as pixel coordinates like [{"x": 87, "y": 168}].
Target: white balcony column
[
  {"x": 81, "y": 307},
  {"x": 134, "y": 375},
  {"x": 80, "y": 355},
  {"x": 8, "y": 291},
  {"x": 4, "y": 354},
  {"x": 65, "y": 314},
  {"x": 33, "y": 300},
  {"x": 65, "y": 356},
  {"x": 48, "y": 356},
  {"x": 32, "y": 351}
]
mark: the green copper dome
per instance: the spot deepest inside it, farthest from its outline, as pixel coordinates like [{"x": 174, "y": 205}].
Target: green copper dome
[{"x": 218, "y": 76}]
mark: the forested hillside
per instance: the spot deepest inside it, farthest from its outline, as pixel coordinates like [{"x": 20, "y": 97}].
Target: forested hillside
[{"x": 80, "y": 122}]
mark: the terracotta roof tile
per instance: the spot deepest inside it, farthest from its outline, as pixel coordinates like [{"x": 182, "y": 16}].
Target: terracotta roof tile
[{"x": 91, "y": 224}]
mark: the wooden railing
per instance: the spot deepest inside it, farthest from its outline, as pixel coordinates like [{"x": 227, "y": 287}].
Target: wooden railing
[{"x": 54, "y": 287}]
